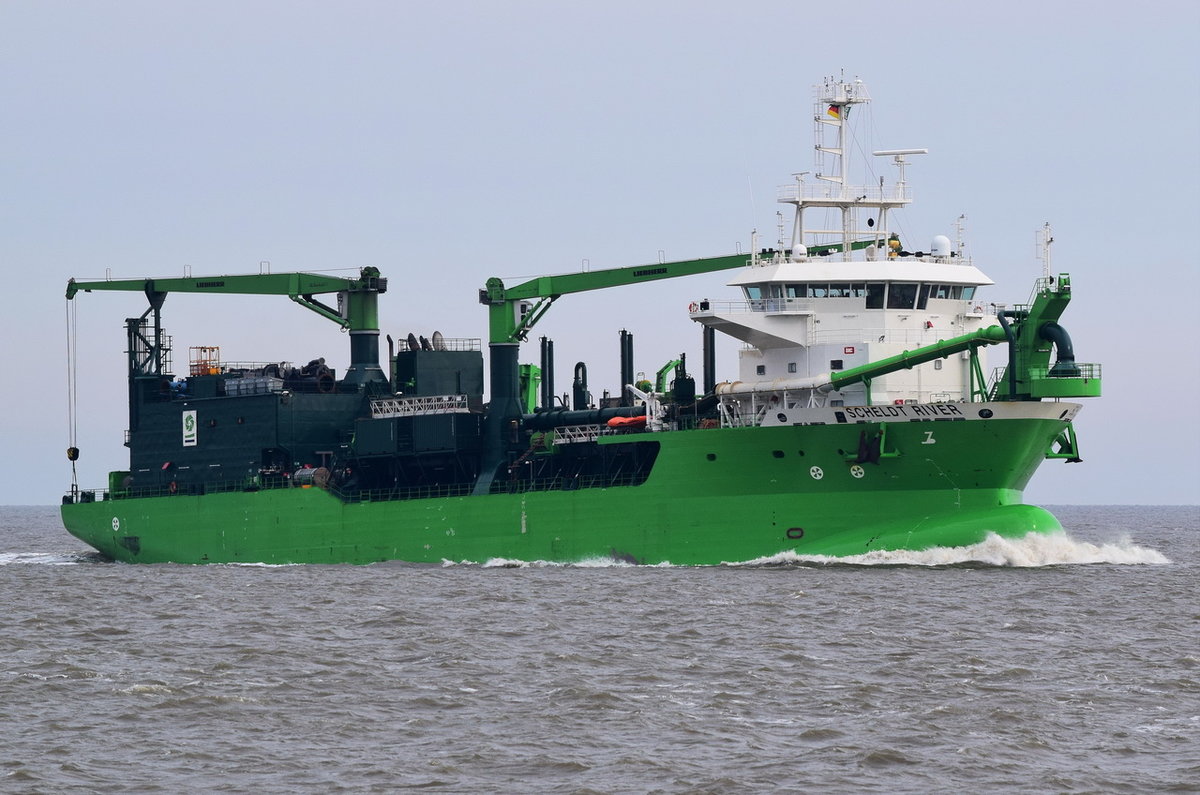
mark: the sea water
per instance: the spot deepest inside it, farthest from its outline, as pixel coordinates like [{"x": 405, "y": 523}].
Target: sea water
[{"x": 1059, "y": 663}]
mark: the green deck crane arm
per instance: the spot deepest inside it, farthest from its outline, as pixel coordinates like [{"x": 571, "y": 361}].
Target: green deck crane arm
[
  {"x": 361, "y": 312},
  {"x": 506, "y": 326}
]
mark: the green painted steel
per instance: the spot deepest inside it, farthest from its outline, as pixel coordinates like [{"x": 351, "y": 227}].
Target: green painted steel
[
  {"x": 1045, "y": 384},
  {"x": 361, "y": 311},
  {"x": 909, "y": 359},
  {"x": 506, "y": 325},
  {"x": 1029, "y": 375},
  {"x": 664, "y": 372},
  {"x": 842, "y": 481},
  {"x": 714, "y": 495}
]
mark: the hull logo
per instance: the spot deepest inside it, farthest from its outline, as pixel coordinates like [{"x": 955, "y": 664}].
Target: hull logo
[
  {"x": 116, "y": 524},
  {"x": 929, "y": 438},
  {"x": 189, "y": 428},
  {"x": 817, "y": 473}
]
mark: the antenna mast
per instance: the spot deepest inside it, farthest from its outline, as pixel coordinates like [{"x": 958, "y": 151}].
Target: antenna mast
[
  {"x": 833, "y": 100},
  {"x": 1044, "y": 239}
]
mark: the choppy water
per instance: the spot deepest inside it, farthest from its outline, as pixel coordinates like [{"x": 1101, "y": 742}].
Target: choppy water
[{"x": 1065, "y": 664}]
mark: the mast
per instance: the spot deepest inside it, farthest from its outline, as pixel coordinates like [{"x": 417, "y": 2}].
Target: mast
[
  {"x": 833, "y": 102},
  {"x": 1044, "y": 238},
  {"x": 835, "y": 98}
]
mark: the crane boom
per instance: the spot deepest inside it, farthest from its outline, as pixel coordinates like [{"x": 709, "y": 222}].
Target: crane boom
[
  {"x": 360, "y": 311},
  {"x": 507, "y": 324}
]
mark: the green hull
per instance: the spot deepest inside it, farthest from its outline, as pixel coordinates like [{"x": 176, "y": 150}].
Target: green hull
[{"x": 714, "y": 496}]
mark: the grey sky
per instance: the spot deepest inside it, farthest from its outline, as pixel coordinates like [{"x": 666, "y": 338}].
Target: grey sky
[{"x": 452, "y": 141}]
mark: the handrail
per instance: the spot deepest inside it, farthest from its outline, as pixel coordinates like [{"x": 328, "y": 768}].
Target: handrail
[{"x": 851, "y": 194}]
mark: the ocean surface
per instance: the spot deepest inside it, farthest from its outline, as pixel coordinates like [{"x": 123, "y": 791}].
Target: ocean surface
[{"x": 1067, "y": 664}]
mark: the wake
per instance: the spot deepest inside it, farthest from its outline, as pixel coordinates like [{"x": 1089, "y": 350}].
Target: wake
[
  {"x": 49, "y": 558},
  {"x": 1034, "y": 550}
]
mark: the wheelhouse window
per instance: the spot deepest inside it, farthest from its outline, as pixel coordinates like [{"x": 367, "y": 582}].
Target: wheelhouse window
[
  {"x": 947, "y": 291},
  {"x": 902, "y": 295},
  {"x": 872, "y": 292},
  {"x": 753, "y": 293},
  {"x": 968, "y": 293},
  {"x": 923, "y": 295},
  {"x": 875, "y": 291}
]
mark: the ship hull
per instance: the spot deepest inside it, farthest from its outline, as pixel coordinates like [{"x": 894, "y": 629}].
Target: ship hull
[{"x": 714, "y": 496}]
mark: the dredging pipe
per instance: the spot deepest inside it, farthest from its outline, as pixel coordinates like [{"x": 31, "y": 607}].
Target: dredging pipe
[{"x": 829, "y": 382}]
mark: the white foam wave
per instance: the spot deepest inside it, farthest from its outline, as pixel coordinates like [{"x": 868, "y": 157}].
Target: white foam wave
[
  {"x": 588, "y": 563},
  {"x": 1031, "y": 551},
  {"x": 43, "y": 558},
  {"x": 1035, "y": 549}
]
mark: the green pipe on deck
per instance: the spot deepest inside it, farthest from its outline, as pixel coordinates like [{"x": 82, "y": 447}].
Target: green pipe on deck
[{"x": 909, "y": 359}]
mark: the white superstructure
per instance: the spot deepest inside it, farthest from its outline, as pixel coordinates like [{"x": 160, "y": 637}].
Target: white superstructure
[{"x": 835, "y": 298}]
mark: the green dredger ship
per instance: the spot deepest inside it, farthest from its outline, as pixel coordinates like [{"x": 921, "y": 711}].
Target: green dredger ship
[{"x": 861, "y": 418}]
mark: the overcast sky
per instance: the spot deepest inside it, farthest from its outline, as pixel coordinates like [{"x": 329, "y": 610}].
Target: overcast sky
[{"x": 446, "y": 142}]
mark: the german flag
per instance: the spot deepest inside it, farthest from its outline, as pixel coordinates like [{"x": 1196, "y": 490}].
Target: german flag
[{"x": 834, "y": 111}]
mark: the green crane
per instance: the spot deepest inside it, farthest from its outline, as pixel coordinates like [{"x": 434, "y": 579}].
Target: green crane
[
  {"x": 357, "y": 312},
  {"x": 513, "y": 311}
]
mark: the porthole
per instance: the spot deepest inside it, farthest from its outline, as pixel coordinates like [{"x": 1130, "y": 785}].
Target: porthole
[{"x": 711, "y": 456}]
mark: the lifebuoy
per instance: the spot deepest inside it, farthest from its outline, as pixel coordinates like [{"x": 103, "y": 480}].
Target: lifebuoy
[
  {"x": 171, "y": 487},
  {"x": 693, "y": 307}
]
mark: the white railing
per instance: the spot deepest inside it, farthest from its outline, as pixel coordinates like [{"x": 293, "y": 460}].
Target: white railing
[
  {"x": 571, "y": 434},
  {"x": 444, "y": 344},
  {"x": 382, "y": 408},
  {"x": 850, "y": 194},
  {"x": 797, "y": 305}
]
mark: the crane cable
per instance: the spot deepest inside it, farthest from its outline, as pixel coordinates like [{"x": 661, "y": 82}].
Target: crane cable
[{"x": 72, "y": 393}]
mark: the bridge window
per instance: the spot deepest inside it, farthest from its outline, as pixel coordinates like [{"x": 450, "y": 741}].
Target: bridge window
[
  {"x": 873, "y": 292},
  {"x": 753, "y": 293},
  {"x": 968, "y": 293},
  {"x": 902, "y": 295}
]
